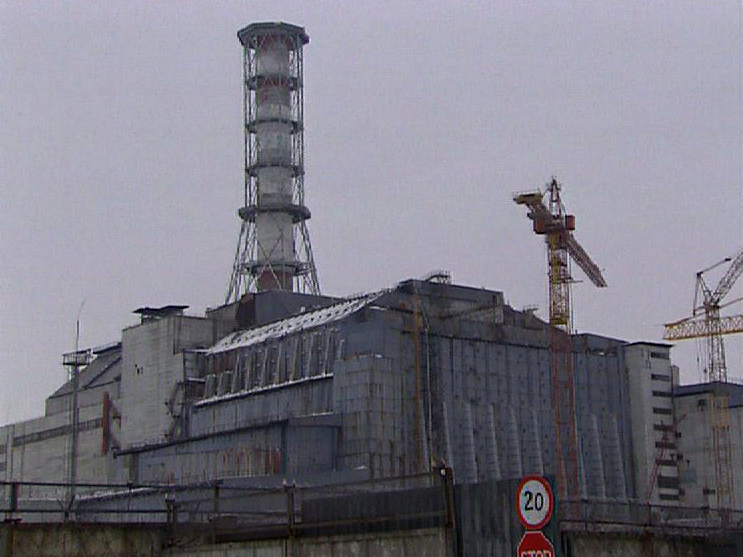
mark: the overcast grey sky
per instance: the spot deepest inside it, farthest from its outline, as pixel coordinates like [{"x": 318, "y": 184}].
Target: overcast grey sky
[{"x": 121, "y": 156}]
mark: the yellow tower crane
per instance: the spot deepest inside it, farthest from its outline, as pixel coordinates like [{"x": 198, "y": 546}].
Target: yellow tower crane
[
  {"x": 706, "y": 323},
  {"x": 551, "y": 220}
]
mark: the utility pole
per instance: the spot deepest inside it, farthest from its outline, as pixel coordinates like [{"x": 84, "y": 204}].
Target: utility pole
[{"x": 74, "y": 361}]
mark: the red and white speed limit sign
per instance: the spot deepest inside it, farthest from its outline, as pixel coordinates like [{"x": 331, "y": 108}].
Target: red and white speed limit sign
[{"x": 534, "y": 502}]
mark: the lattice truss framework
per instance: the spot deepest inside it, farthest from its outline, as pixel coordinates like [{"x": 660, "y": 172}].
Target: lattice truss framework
[
  {"x": 261, "y": 260},
  {"x": 551, "y": 220}
]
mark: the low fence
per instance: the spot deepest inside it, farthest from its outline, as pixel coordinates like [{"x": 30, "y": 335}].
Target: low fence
[
  {"x": 57, "y": 501},
  {"x": 235, "y": 508},
  {"x": 241, "y": 509},
  {"x": 584, "y": 512}
]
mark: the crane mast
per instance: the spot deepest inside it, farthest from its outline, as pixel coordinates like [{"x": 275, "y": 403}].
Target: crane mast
[
  {"x": 707, "y": 323},
  {"x": 551, "y": 220}
]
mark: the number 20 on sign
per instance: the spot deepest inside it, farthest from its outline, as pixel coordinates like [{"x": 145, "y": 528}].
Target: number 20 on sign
[{"x": 534, "y": 502}]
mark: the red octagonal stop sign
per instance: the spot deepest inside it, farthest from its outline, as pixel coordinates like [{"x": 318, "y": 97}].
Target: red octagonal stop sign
[{"x": 535, "y": 544}]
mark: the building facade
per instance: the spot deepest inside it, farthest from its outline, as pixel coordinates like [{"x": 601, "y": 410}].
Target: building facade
[{"x": 390, "y": 383}]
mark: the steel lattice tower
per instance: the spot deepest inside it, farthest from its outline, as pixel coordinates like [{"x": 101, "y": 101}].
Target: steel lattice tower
[
  {"x": 273, "y": 251},
  {"x": 551, "y": 220}
]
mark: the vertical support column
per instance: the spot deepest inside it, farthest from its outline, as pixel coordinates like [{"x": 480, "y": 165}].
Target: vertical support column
[
  {"x": 493, "y": 457},
  {"x": 513, "y": 441},
  {"x": 563, "y": 402},
  {"x": 561, "y": 352},
  {"x": 418, "y": 426},
  {"x": 7, "y": 533},
  {"x": 721, "y": 450},
  {"x": 470, "y": 456},
  {"x": 290, "y": 491},
  {"x": 13, "y": 501},
  {"x": 215, "y": 503},
  {"x": 74, "y": 361},
  {"x": 448, "y": 435}
]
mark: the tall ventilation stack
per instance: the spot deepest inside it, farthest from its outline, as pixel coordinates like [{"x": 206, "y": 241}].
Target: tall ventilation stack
[{"x": 273, "y": 251}]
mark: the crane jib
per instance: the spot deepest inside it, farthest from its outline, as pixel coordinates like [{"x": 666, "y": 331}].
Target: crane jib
[{"x": 728, "y": 280}]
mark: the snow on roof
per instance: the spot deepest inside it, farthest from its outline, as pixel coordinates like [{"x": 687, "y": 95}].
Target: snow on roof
[{"x": 294, "y": 324}]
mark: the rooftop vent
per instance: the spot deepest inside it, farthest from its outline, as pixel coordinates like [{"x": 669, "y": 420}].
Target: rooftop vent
[{"x": 152, "y": 314}]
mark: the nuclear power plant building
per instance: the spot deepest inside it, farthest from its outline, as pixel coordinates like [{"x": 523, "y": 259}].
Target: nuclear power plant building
[{"x": 282, "y": 384}]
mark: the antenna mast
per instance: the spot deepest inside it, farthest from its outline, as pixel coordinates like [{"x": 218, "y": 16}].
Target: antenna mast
[{"x": 73, "y": 361}]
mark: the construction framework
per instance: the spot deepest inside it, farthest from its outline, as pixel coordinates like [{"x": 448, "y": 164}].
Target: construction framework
[
  {"x": 707, "y": 324},
  {"x": 551, "y": 220}
]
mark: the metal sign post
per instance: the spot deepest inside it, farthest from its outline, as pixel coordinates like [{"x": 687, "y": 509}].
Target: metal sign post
[{"x": 535, "y": 505}]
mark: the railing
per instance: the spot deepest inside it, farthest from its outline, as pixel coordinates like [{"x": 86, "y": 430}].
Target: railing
[
  {"x": 238, "y": 507},
  {"x": 595, "y": 513},
  {"x": 53, "y": 501}
]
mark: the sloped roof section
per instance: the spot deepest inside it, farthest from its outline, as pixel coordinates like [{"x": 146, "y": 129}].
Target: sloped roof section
[
  {"x": 294, "y": 324},
  {"x": 101, "y": 370}
]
